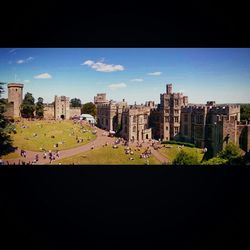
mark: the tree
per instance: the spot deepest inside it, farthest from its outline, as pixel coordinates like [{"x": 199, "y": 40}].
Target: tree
[
  {"x": 230, "y": 153},
  {"x": 39, "y": 108},
  {"x": 244, "y": 112},
  {"x": 75, "y": 102},
  {"x": 28, "y": 106},
  {"x": 89, "y": 108},
  {"x": 6, "y": 127},
  {"x": 184, "y": 158}
]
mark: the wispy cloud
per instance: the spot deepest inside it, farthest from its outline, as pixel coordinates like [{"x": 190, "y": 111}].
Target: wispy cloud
[
  {"x": 136, "y": 80},
  {"x": 12, "y": 51},
  {"x": 27, "y": 60},
  {"x": 43, "y": 76},
  {"x": 115, "y": 86},
  {"x": 103, "y": 67},
  {"x": 155, "y": 73}
]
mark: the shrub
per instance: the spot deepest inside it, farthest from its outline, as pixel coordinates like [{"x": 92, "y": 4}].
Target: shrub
[
  {"x": 188, "y": 144},
  {"x": 231, "y": 152},
  {"x": 215, "y": 161},
  {"x": 184, "y": 158}
]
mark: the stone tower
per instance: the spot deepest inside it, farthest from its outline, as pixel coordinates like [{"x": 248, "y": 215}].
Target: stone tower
[
  {"x": 15, "y": 95},
  {"x": 62, "y": 107}
]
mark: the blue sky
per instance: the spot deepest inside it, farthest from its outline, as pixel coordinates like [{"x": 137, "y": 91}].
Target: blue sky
[{"x": 138, "y": 74}]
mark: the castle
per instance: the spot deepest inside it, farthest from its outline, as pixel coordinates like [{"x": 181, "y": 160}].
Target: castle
[
  {"x": 59, "y": 109},
  {"x": 210, "y": 125},
  {"x": 207, "y": 125}
]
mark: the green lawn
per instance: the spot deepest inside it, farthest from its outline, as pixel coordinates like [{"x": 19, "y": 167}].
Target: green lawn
[
  {"x": 170, "y": 153},
  {"x": 63, "y": 131},
  {"x": 9, "y": 156},
  {"x": 107, "y": 155}
]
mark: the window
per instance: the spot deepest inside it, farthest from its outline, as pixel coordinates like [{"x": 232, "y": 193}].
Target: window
[
  {"x": 176, "y": 112},
  {"x": 167, "y": 128},
  {"x": 167, "y": 118},
  {"x": 201, "y": 118},
  {"x": 185, "y": 129},
  {"x": 176, "y": 119},
  {"x": 134, "y": 129},
  {"x": 176, "y": 130}
]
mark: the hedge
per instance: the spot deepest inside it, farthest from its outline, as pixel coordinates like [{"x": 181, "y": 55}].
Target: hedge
[{"x": 188, "y": 144}]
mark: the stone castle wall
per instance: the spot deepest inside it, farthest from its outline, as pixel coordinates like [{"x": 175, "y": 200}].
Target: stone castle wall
[
  {"x": 74, "y": 112},
  {"x": 49, "y": 112}
]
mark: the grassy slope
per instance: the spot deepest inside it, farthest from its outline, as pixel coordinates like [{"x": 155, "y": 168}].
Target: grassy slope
[
  {"x": 107, "y": 155},
  {"x": 10, "y": 156},
  {"x": 24, "y": 138},
  {"x": 171, "y": 153}
]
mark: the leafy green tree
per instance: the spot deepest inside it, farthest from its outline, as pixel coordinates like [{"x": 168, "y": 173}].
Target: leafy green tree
[
  {"x": 75, "y": 102},
  {"x": 244, "y": 112},
  {"x": 6, "y": 127},
  {"x": 28, "y": 106},
  {"x": 39, "y": 108},
  {"x": 184, "y": 158},
  {"x": 89, "y": 108},
  {"x": 230, "y": 153}
]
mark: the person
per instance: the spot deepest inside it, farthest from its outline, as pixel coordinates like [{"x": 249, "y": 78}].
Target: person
[
  {"x": 37, "y": 157},
  {"x": 1, "y": 161}
]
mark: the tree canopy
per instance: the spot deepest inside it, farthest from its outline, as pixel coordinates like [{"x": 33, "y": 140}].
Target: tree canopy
[
  {"x": 6, "y": 127},
  {"x": 244, "y": 112},
  {"x": 39, "y": 108},
  {"x": 75, "y": 102},
  {"x": 89, "y": 108},
  {"x": 28, "y": 106}
]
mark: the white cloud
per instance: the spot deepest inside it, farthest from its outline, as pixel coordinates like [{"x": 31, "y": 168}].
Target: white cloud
[
  {"x": 137, "y": 80},
  {"x": 43, "y": 76},
  {"x": 155, "y": 73},
  {"x": 20, "y": 61},
  {"x": 88, "y": 62},
  {"x": 12, "y": 50},
  {"x": 103, "y": 67},
  {"x": 115, "y": 86},
  {"x": 27, "y": 60},
  {"x": 26, "y": 81}
]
